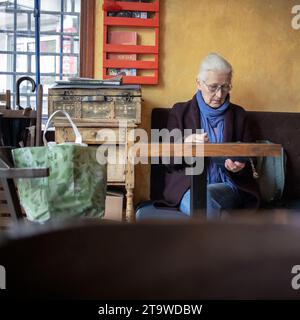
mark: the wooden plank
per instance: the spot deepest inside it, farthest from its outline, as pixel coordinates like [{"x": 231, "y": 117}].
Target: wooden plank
[
  {"x": 131, "y": 22},
  {"x": 13, "y": 173},
  {"x": 5, "y": 222},
  {"x": 90, "y": 123},
  {"x": 4, "y": 209},
  {"x": 76, "y": 94},
  {"x": 140, "y": 79},
  {"x": 142, "y": 64},
  {"x": 134, "y": 6},
  {"x": 208, "y": 150},
  {"x": 2, "y": 195},
  {"x": 112, "y": 183},
  {"x": 123, "y": 48}
]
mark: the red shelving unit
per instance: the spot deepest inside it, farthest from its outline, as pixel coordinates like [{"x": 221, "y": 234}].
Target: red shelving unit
[{"x": 152, "y": 22}]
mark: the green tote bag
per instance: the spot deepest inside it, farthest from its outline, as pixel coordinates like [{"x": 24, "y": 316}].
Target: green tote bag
[{"x": 76, "y": 185}]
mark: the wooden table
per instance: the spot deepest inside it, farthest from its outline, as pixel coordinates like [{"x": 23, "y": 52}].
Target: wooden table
[{"x": 204, "y": 151}]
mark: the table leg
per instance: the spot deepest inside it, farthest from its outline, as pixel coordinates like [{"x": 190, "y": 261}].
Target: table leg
[
  {"x": 129, "y": 205},
  {"x": 199, "y": 192}
]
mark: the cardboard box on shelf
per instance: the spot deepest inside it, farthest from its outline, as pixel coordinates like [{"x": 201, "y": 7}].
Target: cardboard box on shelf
[{"x": 114, "y": 206}]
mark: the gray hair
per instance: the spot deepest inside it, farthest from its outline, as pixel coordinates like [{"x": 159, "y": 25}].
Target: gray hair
[{"x": 213, "y": 62}]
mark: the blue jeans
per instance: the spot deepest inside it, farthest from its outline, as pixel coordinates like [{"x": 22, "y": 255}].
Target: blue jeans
[{"x": 220, "y": 197}]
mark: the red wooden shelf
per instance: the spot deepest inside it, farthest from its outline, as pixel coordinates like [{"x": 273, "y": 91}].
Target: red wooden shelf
[
  {"x": 153, "y": 22},
  {"x": 136, "y": 64},
  {"x": 138, "y": 6},
  {"x": 131, "y": 22},
  {"x": 137, "y": 79},
  {"x": 121, "y": 48}
]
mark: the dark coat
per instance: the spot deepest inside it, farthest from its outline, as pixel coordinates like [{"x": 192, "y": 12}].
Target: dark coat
[{"x": 186, "y": 115}]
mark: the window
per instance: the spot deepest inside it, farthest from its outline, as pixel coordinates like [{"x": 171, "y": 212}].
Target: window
[{"x": 59, "y": 45}]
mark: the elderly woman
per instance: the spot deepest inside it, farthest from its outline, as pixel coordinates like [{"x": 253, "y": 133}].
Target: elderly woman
[{"x": 230, "y": 184}]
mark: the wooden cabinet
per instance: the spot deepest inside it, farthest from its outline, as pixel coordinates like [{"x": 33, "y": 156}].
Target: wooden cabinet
[{"x": 103, "y": 115}]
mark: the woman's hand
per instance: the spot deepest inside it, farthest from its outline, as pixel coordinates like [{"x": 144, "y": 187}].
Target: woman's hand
[
  {"x": 234, "y": 166},
  {"x": 197, "y": 137}
]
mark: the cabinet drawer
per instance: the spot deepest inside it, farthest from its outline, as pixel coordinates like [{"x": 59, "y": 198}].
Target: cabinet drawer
[
  {"x": 109, "y": 135},
  {"x": 93, "y": 135}
]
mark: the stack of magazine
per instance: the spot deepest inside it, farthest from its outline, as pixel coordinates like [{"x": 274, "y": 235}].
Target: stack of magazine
[{"x": 89, "y": 82}]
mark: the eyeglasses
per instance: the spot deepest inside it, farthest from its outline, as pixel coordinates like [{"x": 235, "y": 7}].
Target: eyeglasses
[{"x": 214, "y": 88}]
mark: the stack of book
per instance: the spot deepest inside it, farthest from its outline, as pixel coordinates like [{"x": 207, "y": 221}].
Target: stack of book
[{"x": 89, "y": 82}]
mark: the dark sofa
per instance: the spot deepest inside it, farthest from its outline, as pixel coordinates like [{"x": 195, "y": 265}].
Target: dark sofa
[{"x": 278, "y": 127}]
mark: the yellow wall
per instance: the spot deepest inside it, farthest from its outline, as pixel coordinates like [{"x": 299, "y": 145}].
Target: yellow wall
[{"x": 254, "y": 35}]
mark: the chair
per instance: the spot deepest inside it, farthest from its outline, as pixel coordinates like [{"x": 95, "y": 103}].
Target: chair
[
  {"x": 10, "y": 208},
  {"x": 23, "y": 124}
]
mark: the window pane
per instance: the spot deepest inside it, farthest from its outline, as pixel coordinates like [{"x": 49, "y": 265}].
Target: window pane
[
  {"x": 47, "y": 64},
  {"x": 77, "y": 6},
  {"x": 68, "y": 45},
  {"x": 25, "y": 4},
  {"x": 31, "y": 46},
  {"x": 6, "y": 62},
  {"x": 70, "y": 65},
  {"x": 6, "y": 82},
  {"x": 22, "y": 21},
  {"x": 76, "y": 45},
  {"x": 22, "y": 63},
  {"x": 3, "y": 41},
  {"x": 50, "y": 44},
  {"x": 57, "y": 64},
  {"x": 72, "y": 6},
  {"x": 27, "y": 100},
  {"x": 71, "y": 45},
  {"x": 32, "y": 23},
  {"x": 47, "y": 81},
  {"x": 71, "y": 24},
  {"x": 6, "y": 21},
  {"x": 10, "y": 42},
  {"x": 53, "y": 5},
  {"x": 25, "y": 44},
  {"x": 50, "y": 22}
]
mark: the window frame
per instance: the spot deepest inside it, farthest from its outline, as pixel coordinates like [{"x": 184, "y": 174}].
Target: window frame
[
  {"x": 87, "y": 38},
  {"x": 14, "y": 52}
]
